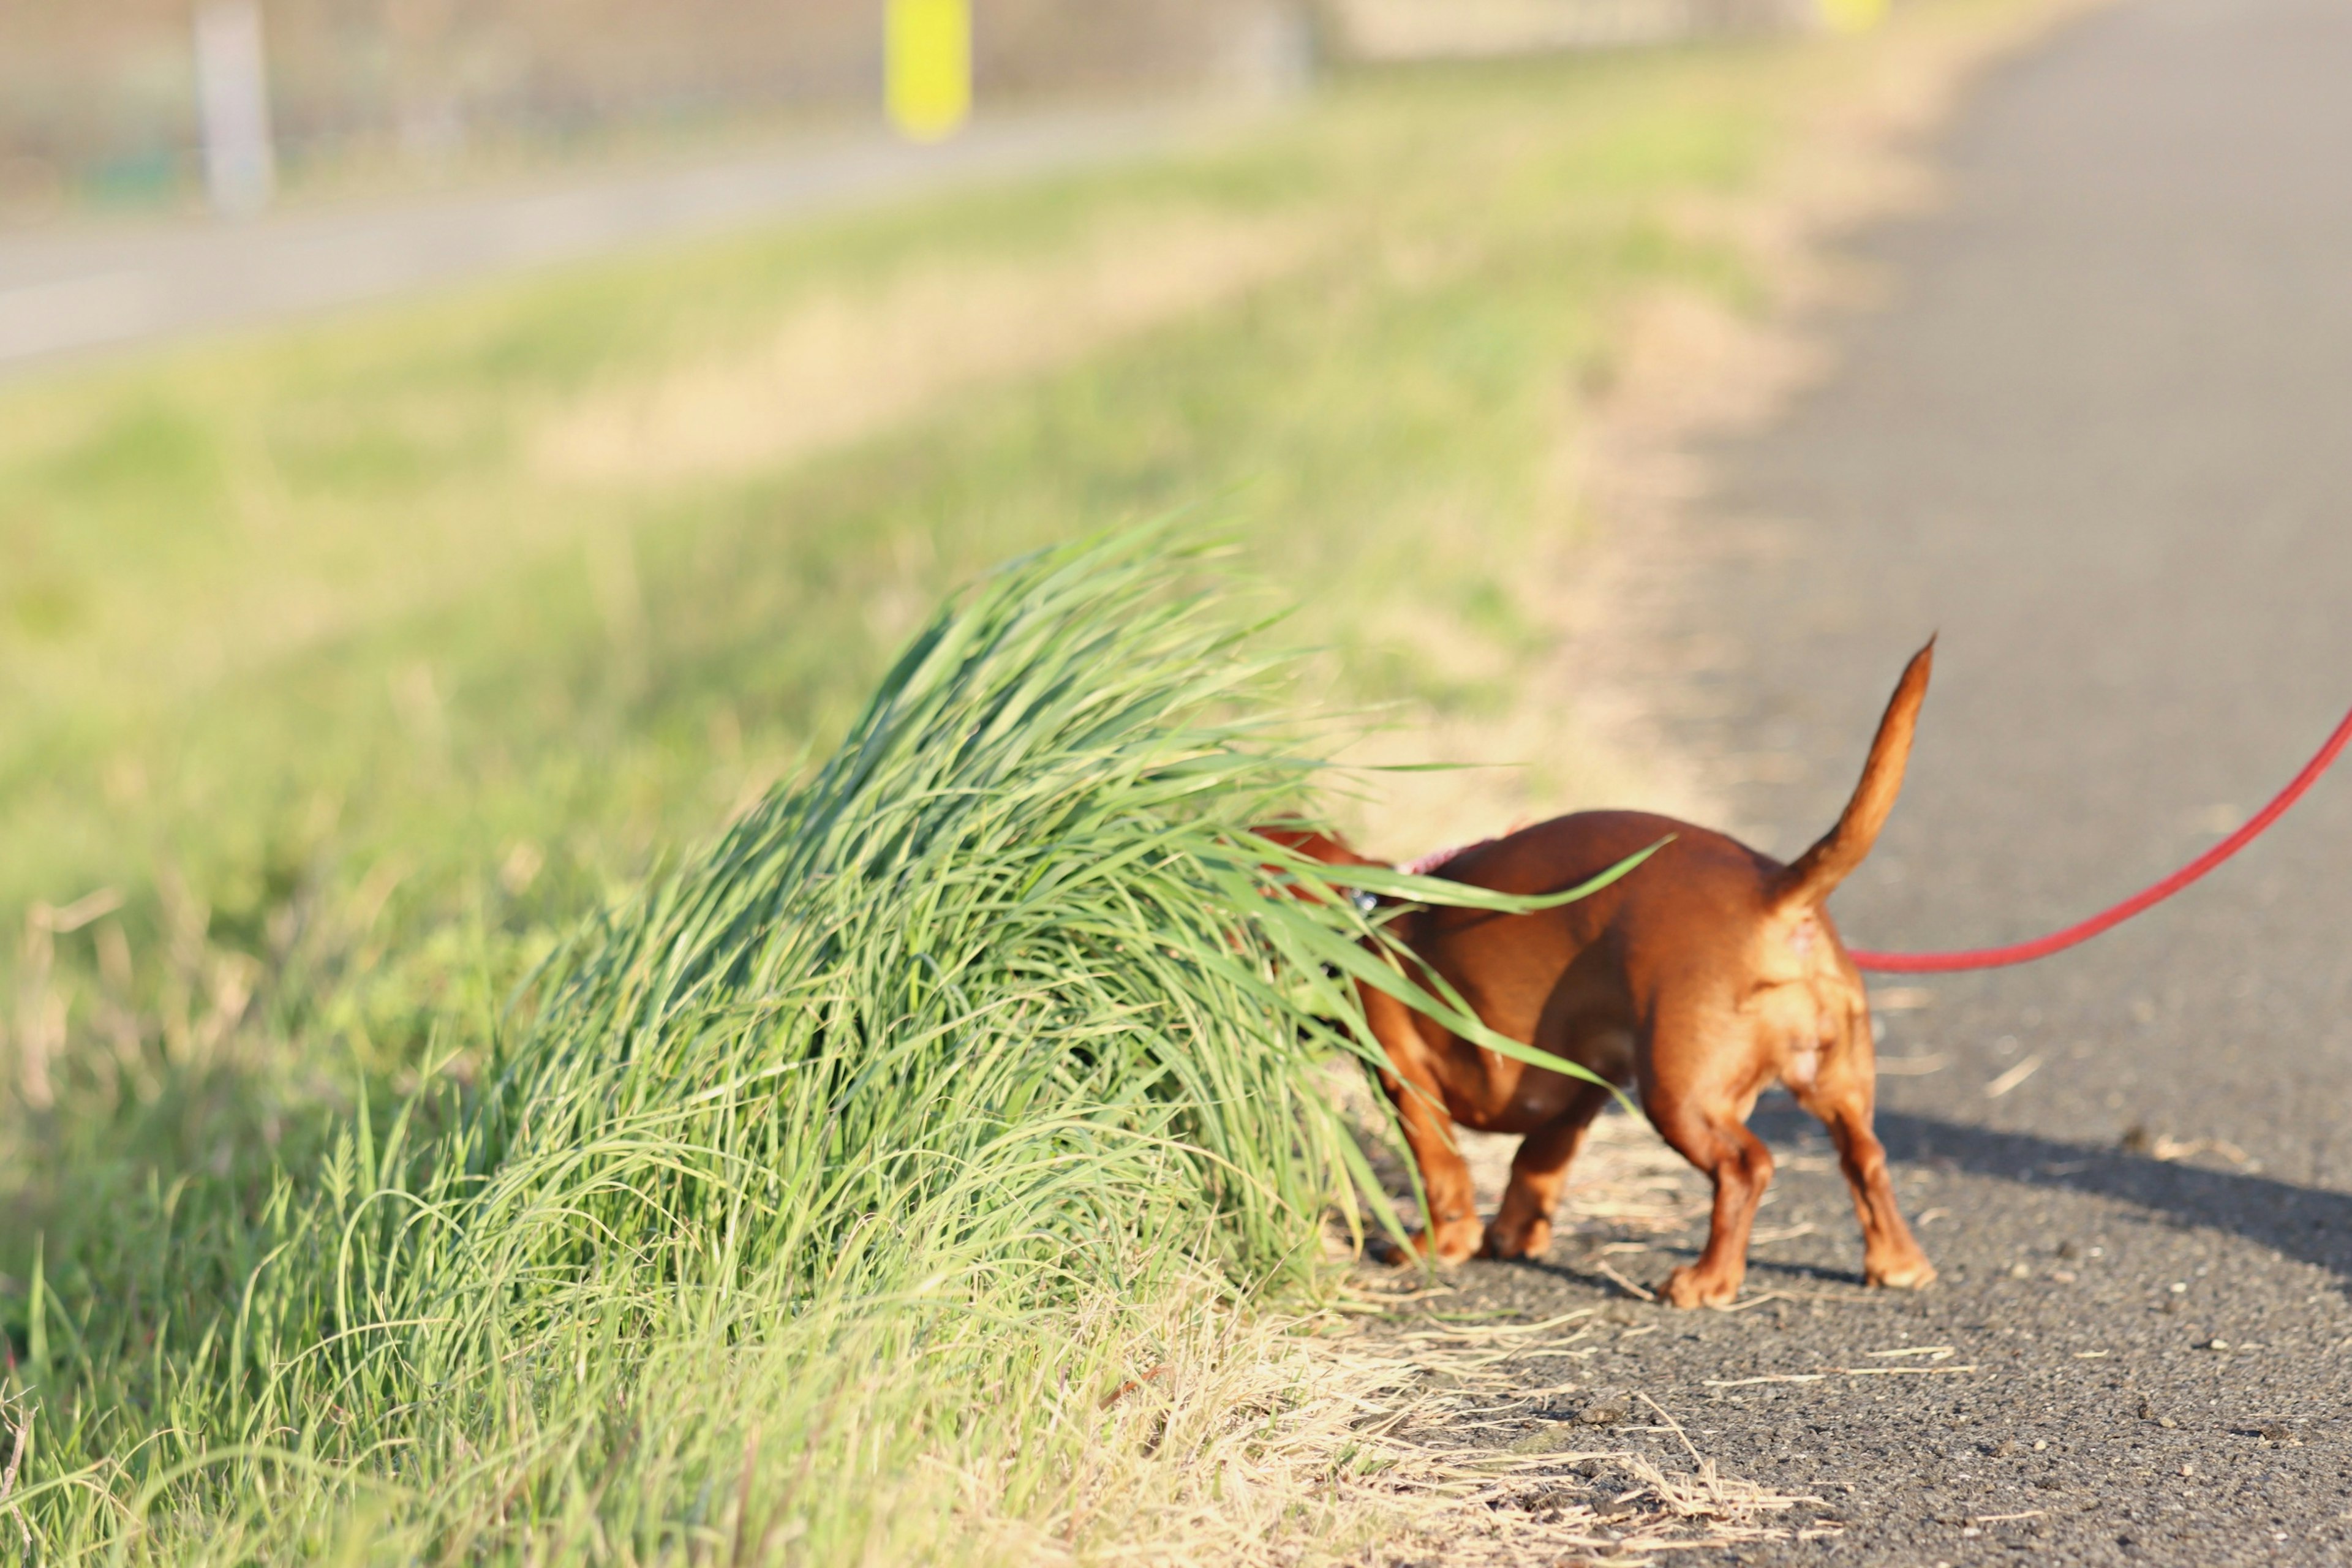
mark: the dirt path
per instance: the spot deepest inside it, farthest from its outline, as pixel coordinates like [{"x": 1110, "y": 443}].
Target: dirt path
[{"x": 2095, "y": 438}]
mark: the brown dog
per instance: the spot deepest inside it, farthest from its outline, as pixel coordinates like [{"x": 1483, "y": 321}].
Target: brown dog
[{"x": 1703, "y": 977}]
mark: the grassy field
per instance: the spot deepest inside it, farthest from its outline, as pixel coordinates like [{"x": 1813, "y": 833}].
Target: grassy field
[{"x": 344, "y": 671}]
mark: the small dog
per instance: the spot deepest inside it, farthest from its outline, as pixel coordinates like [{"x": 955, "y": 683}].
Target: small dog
[{"x": 1701, "y": 978}]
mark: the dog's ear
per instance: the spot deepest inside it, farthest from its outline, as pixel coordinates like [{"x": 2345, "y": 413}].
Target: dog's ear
[{"x": 1816, "y": 873}]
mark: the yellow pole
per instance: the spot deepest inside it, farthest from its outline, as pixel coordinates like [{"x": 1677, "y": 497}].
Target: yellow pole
[
  {"x": 1853, "y": 15},
  {"x": 927, "y": 45}
]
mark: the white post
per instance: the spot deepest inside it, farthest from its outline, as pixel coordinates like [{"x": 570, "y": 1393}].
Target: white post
[{"x": 233, "y": 95}]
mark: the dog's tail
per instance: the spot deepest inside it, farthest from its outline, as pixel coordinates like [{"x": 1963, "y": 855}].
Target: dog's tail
[{"x": 1816, "y": 873}]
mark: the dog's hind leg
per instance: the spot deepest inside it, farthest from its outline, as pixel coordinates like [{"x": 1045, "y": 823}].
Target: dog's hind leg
[
  {"x": 1890, "y": 1254},
  {"x": 1522, "y": 1227},
  {"x": 1711, "y": 1137}
]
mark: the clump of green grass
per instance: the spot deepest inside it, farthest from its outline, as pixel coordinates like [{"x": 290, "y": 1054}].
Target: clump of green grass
[{"x": 793, "y": 1207}]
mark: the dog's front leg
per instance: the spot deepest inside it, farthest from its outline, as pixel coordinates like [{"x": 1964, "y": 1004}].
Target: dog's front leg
[{"x": 1454, "y": 1232}]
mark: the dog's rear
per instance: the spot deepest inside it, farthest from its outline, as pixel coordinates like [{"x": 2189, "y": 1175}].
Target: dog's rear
[{"x": 1795, "y": 1011}]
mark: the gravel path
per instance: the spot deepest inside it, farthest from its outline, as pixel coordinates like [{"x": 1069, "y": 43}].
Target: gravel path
[{"x": 2101, "y": 439}]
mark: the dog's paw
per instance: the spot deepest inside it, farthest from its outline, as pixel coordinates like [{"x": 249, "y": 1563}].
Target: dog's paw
[
  {"x": 1903, "y": 1274},
  {"x": 1458, "y": 1240},
  {"x": 1531, "y": 1240},
  {"x": 1687, "y": 1287},
  {"x": 1450, "y": 1244}
]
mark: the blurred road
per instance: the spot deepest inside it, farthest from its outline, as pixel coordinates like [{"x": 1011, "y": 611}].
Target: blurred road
[
  {"x": 2102, "y": 440},
  {"x": 75, "y": 290}
]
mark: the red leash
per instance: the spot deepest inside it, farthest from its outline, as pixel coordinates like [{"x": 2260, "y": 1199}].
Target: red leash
[{"x": 2058, "y": 942}]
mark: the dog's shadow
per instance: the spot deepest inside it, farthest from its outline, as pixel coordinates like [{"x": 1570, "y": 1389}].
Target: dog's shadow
[
  {"x": 2308, "y": 1224},
  {"x": 1571, "y": 1261}
]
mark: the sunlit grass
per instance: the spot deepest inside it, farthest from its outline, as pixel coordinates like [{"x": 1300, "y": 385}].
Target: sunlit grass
[{"x": 361, "y": 704}]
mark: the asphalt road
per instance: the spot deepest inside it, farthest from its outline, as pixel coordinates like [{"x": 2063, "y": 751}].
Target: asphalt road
[
  {"x": 76, "y": 292},
  {"x": 2101, "y": 439}
]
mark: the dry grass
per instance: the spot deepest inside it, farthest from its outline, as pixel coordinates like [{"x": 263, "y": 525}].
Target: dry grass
[
  {"x": 1565, "y": 1492},
  {"x": 1315, "y": 1433},
  {"x": 851, "y": 361},
  {"x": 1367, "y": 1432},
  {"x": 2138, "y": 1139}
]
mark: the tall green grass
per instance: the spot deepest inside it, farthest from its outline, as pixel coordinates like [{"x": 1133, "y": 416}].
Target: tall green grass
[{"x": 785, "y": 1212}]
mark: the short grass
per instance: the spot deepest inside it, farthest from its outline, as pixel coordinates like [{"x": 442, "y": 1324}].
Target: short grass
[{"x": 347, "y": 701}]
